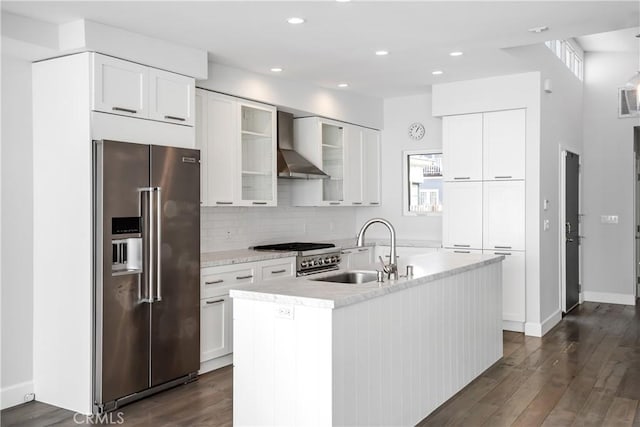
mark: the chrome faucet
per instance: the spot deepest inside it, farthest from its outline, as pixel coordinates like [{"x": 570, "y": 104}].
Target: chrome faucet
[{"x": 392, "y": 268}]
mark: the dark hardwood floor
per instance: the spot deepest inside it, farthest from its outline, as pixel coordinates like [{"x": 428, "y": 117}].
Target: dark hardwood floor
[{"x": 585, "y": 372}]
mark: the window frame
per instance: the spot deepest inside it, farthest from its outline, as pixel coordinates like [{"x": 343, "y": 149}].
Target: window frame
[{"x": 405, "y": 181}]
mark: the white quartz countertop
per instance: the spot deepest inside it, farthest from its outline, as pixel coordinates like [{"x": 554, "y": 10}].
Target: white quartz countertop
[
  {"x": 214, "y": 259},
  {"x": 304, "y": 291}
]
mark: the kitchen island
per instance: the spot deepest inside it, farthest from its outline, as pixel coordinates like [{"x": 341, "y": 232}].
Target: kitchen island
[{"x": 310, "y": 352}]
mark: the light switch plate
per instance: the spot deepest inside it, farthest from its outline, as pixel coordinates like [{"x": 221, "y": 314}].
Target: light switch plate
[
  {"x": 285, "y": 312},
  {"x": 546, "y": 225},
  {"x": 609, "y": 219},
  {"x": 545, "y": 205}
]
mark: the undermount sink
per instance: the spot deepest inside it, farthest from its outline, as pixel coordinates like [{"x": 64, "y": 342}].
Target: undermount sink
[{"x": 352, "y": 277}]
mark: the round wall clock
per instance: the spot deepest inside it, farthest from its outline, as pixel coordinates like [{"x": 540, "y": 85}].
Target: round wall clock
[{"x": 416, "y": 131}]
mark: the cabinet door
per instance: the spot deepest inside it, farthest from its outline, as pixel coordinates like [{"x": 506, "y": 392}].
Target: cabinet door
[
  {"x": 462, "y": 147},
  {"x": 356, "y": 257},
  {"x": 504, "y": 145},
  {"x": 504, "y": 210},
  {"x": 371, "y": 167},
  {"x": 462, "y": 219},
  {"x": 120, "y": 87},
  {"x": 171, "y": 97},
  {"x": 202, "y": 145},
  {"x": 353, "y": 165},
  {"x": 332, "y": 140},
  {"x": 221, "y": 161},
  {"x": 215, "y": 327},
  {"x": 257, "y": 154},
  {"x": 277, "y": 269},
  {"x": 513, "y": 285}
]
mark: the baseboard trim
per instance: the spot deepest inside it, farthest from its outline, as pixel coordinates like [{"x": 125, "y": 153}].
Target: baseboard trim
[
  {"x": 610, "y": 298},
  {"x": 14, "y": 395},
  {"x": 217, "y": 363},
  {"x": 540, "y": 329},
  {"x": 510, "y": 325}
]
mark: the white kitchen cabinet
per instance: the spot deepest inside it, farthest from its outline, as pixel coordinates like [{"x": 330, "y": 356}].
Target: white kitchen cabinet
[
  {"x": 277, "y": 269},
  {"x": 354, "y": 165},
  {"x": 371, "y": 180},
  {"x": 356, "y": 257},
  {"x": 462, "y": 221},
  {"x": 504, "y": 135},
  {"x": 213, "y": 279},
  {"x": 513, "y": 285},
  {"x": 120, "y": 87},
  {"x": 171, "y": 97},
  {"x": 237, "y": 139},
  {"x": 462, "y": 147},
  {"x": 216, "y": 330},
  {"x": 503, "y": 215}
]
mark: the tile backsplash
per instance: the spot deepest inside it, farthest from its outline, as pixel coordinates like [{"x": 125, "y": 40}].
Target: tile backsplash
[{"x": 229, "y": 228}]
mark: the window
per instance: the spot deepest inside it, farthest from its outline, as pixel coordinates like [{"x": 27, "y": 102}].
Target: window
[
  {"x": 569, "y": 54},
  {"x": 422, "y": 182}
]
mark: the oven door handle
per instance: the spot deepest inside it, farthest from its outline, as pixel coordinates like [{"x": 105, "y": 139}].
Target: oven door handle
[{"x": 317, "y": 271}]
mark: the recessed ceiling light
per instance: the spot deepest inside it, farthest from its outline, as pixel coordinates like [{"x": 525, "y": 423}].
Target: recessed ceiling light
[
  {"x": 382, "y": 52},
  {"x": 295, "y": 20},
  {"x": 458, "y": 53},
  {"x": 276, "y": 69},
  {"x": 538, "y": 29},
  {"x": 437, "y": 72},
  {"x": 343, "y": 85}
]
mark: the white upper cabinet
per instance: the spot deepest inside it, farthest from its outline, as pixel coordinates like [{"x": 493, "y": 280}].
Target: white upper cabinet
[
  {"x": 504, "y": 215},
  {"x": 462, "y": 147},
  {"x": 120, "y": 87},
  {"x": 353, "y": 159},
  {"x": 171, "y": 97},
  {"x": 237, "y": 140},
  {"x": 462, "y": 222},
  {"x": 371, "y": 167},
  {"x": 130, "y": 89},
  {"x": 504, "y": 145}
]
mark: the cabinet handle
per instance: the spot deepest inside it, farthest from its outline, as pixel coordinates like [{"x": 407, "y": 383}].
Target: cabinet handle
[
  {"x": 356, "y": 203},
  {"x": 389, "y": 256},
  {"x": 503, "y": 177},
  {"x": 215, "y": 302},
  {"x": 214, "y": 282},
  {"x": 224, "y": 203},
  {"x": 259, "y": 203},
  {"x": 461, "y": 246},
  {"x": 279, "y": 271},
  {"x": 374, "y": 203},
  {"x": 462, "y": 177},
  {"x": 244, "y": 277},
  {"x": 363, "y": 250},
  {"x": 502, "y": 247},
  {"x": 462, "y": 252},
  {"x": 346, "y": 252},
  {"x": 502, "y": 253},
  {"x": 126, "y": 110},
  {"x": 334, "y": 203},
  {"x": 182, "y": 119}
]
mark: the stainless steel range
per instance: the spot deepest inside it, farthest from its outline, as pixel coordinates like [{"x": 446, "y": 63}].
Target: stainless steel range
[{"x": 311, "y": 258}]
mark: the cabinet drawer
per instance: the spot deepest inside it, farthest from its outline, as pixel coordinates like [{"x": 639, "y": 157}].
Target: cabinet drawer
[
  {"x": 211, "y": 283},
  {"x": 276, "y": 271}
]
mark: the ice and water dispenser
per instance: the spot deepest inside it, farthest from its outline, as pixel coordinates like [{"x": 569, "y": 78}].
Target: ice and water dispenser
[{"x": 127, "y": 250}]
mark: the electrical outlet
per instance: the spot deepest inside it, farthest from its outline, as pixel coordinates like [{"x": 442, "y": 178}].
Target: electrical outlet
[
  {"x": 29, "y": 397},
  {"x": 609, "y": 219},
  {"x": 285, "y": 312}
]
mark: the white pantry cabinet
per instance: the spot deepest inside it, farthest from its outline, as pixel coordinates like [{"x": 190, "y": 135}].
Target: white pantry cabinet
[
  {"x": 349, "y": 154},
  {"x": 129, "y": 89},
  {"x": 504, "y": 145},
  {"x": 237, "y": 139},
  {"x": 462, "y": 219},
  {"x": 462, "y": 147},
  {"x": 503, "y": 215}
]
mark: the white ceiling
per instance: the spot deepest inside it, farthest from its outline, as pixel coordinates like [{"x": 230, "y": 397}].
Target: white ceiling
[
  {"x": 338, "y": 41},
  {"x": 622, "y": 41}
]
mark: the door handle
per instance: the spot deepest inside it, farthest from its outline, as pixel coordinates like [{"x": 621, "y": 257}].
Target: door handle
[{"x": 158, "y": 192}]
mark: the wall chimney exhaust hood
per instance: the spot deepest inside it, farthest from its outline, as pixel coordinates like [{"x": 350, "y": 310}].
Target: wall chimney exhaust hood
[{"x": 290, "y": 163}]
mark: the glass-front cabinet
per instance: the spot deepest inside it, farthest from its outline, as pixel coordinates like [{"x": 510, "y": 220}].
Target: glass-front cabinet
[
  {"x": 257, "y": 154},
  {"x": 333, "y": 162}
]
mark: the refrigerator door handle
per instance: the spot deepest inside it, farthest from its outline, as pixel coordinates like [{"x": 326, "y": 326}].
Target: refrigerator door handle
[
  {"x": 158, "y": 191},
  {"x": 147, "y": 248}
]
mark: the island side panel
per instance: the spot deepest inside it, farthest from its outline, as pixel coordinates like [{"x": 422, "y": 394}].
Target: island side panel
[
  {"x": 400, "y": 356},
  {"x": 282, "y": 364}
]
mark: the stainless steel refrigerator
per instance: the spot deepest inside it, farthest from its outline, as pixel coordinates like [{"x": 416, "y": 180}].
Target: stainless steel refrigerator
[{"x": 147, "y": 270}]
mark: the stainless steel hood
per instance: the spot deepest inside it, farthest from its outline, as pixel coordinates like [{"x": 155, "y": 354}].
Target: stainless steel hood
[{"x": 290, "y": 163}]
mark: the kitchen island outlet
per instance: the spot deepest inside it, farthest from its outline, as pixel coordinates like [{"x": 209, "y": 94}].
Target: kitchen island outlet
[{"x": 309, "y": 352}]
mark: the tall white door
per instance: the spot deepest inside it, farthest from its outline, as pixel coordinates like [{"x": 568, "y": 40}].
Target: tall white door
[
  {"x": 462, "y": 147},
  {"x": 504, "y": 145}
]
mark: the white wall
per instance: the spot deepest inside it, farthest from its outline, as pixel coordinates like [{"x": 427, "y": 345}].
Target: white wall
[
  {"x": 227, "y": 228},
  {"x": 399, "y": 113},
  {"x": 608, "y": 178},
  {"x": 341, "y": 105},
  {"x": 17, "y": 239}
]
